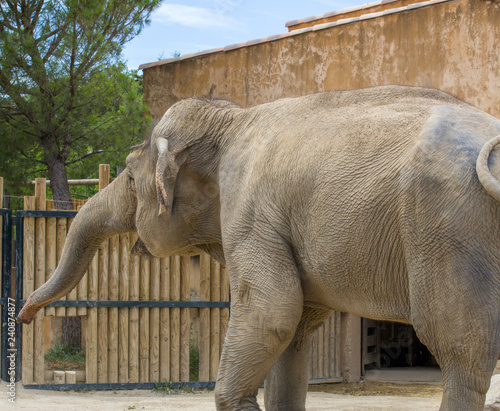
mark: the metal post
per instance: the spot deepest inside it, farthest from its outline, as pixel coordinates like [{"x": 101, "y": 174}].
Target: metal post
[
  {"x": 19, "y": 293},
  {"x": 6, "y": 291}
]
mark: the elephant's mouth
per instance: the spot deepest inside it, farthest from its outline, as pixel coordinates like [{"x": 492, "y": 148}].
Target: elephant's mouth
[{"x": 140, "y": 248}]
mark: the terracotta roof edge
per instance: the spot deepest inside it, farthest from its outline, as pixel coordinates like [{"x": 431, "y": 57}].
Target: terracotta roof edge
[{"x": 303, "y": 30}]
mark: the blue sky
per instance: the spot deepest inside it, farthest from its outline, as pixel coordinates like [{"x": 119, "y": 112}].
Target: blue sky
[{"x": 196, "y": 25}]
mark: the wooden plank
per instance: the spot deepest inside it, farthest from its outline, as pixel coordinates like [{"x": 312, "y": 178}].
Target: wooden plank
[
  {"x": 175, "y": 319},
  {"x": 123, "y": 317},
  {"x": 312, "y": 360},
  {"x": 50, "y": 255},
  {"x": 39, "y": 323},
  {"x": 185, "y": 320},
  {"x": 204, "y": 337},
  {"x": 224, "y": 314},
  {"x": 92, "y": 323},
  {"x": 102, "y": 314},
  {"x": 165, "y": 321},
  {"x": 104, "y": 176},
  {"x": 335, "y": 344},
  {"x": 28, "y": 288},
  {"x": 133, "y": 370},
  {"x": 320, "y": 354},
  {"x": 82, "y": 294},
  {"x": 114, "y": 265},
  {"x": 326, "y": 349},
  {"x": 214, "y": 319},
  {"x": 154, "y": 322},
  {"x": 61, "y": 232},
  {"x": 144, "y": 287}
]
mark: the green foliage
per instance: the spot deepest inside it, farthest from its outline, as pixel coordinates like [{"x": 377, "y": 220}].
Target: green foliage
[
  {"x": 194, "y": 359},
  {"x": 65, "y": 356},
  {"x": 165, "y": 387},
  {"x": 65, "y": 95}
]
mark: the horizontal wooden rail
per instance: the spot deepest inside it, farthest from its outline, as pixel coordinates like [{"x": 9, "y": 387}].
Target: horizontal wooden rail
[{"x": 81, "y": 182}]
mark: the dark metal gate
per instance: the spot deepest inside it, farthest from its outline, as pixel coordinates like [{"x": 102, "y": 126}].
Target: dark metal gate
[{"x": 10, "y": 305}]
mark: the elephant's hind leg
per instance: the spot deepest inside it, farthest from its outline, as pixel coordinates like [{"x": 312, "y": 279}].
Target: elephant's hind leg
[
  {"x": 287, "y": 382},
  {"x": 461, "y": 329},
  {"x": 467, "y": 370}
]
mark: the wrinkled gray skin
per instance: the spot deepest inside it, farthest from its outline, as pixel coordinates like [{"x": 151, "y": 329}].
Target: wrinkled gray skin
[{"x": 363, "y": 201}]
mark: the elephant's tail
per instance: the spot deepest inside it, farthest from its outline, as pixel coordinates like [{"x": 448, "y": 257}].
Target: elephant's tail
[{"x": 490, "y": 183}]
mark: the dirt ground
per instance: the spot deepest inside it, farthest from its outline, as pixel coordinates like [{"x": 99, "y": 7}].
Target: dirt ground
[{"x": 340, "y": 397}]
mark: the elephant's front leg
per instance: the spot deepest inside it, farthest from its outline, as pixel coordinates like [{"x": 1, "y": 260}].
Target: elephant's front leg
[
  {"x": 266, "y": 306},
  {"x": 287, "y": 382}
]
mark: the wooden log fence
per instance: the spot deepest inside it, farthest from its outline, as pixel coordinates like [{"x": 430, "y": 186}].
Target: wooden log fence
[{"x": 143, "y": 317}]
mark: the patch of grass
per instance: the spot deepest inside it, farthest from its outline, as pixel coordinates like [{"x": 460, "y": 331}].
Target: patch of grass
[
  {"x": 65, "y": 357},
  {"x": 166, "y": 387},
  {"x": 194, "y": 359}
]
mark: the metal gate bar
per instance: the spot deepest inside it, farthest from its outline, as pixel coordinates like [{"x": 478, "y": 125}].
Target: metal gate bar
[{"x": 11, "y": 342}]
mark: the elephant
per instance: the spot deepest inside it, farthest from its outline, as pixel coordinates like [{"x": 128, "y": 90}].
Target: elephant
[{"x": 381, "y": 202}]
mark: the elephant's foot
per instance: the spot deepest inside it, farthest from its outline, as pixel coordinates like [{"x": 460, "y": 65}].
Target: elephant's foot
[
  {"x": 228, "y": 401},
  {"x": 464, "y": 389}
]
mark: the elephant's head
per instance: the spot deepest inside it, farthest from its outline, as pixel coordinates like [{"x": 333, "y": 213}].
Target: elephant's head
[{"x": 168, "y": 193}]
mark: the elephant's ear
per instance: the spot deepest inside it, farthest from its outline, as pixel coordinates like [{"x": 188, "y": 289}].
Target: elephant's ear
[{"x": 167, "y": 168}]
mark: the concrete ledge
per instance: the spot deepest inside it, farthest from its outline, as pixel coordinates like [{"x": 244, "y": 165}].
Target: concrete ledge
[{"x": 406, "y": 375}]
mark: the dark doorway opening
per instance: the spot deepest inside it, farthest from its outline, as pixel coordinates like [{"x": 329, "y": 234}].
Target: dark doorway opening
[{"x": 388, "y": 344}]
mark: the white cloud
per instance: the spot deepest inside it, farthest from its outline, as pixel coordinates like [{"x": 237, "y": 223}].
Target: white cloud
[{"x": 192, "y": 16}]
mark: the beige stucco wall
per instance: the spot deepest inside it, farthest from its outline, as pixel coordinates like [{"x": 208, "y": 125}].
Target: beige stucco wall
[{"x": 453, "y": 46}]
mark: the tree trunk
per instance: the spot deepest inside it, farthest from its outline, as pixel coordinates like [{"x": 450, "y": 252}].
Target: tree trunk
[{"x": 59, "y": 183}]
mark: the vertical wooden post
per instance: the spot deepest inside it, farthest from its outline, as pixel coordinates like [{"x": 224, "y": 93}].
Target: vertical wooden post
[
  {"x": 104, "y": 175},
  {"x": 326, "y": 349},
  {"x": 50, "y": 255},
  {"x": 185, "y": 318},
  {"x": 204, "y": 338},
  {"x": 165, "y": 320},
  {"x": 175, "y": 313},
  {"x": 320, "y": 331},
  {"x": 113, "y": 311},
  {"x": 39, "y": 327},
  {"x": 28, "y": 288},
  {"x": 102, "y": 312},
  {"x": 92, "y": 320},
  {"x": 144, "y": 287},
  {"x": 335, "y": 344},
  {"x": 351, "y": 341},
  {"x": 123, "y": 317},
  {"x": 154, "y": 321},
  {"x": 214, "y": 319},
  {"x": 224, "y": 316},
  {"x": 102, "y": 315},
  {"x": 133, "y": 353}
]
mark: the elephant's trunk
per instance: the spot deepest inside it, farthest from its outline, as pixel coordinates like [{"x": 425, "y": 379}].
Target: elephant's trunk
[
  {"x": 110, "y": 212},
  {"x": 490, "y": 183}
]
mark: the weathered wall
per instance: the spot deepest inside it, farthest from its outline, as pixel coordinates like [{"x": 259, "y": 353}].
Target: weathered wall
[{"x": 453, "y": 46}]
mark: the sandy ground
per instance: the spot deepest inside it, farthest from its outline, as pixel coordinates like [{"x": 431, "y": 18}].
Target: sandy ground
[{"x": 341, "y": 397}]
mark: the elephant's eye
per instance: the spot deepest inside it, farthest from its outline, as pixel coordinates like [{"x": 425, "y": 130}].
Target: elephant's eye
[{"x": 131, "y": 182}]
